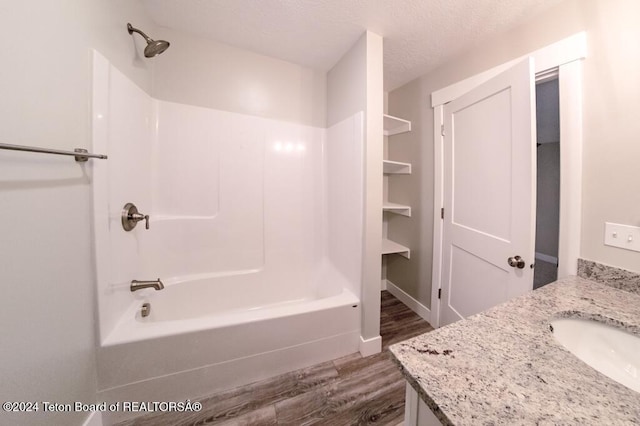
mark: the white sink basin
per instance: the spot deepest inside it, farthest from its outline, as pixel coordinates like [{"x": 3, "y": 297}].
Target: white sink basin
[{"x": 610, "y": 350}]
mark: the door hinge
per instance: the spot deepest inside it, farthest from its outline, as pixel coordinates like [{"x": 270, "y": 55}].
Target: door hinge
[
  {"x": 442, "y": 213},
  {"x": 442, "y": 129},
  {"x": 439, "y": 293}
]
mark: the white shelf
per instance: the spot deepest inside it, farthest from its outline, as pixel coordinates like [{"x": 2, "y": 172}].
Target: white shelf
[
  {"x": 396, "y": 208},
  {"x": 394, "y": 125},
  {"x": 391, "y": 247},
  {"x": 396, "y": 168}
]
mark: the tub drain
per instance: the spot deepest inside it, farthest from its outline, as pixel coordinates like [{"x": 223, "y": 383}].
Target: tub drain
[{"x": 145, "y": 310}]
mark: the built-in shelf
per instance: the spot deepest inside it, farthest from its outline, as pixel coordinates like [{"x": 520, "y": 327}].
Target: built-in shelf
[
  {"x": 391, "y": 247},
  {"x": 396, "y": 168},
  {"x": 396, "y": 208},
  {"x": 394, "y": 125}
]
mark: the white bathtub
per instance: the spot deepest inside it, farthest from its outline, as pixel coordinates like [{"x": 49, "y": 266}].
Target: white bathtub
[
  {"x": 184, "y": 349},
  {"x": 255, "y": 230},
  {"x": 210, "y": 302}
]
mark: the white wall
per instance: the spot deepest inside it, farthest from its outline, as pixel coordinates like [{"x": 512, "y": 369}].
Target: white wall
[
  {"x": 228, "y": 195},
  {"x": 205, "y": 73},
  {"x": 124, "y": 113},
  {"x": 355, "y": 84},
  {"x": 208, "y": 193},
  {"x": 47, "y": 309},
  {"x": 344, "y": 191},
  {"x": 346, "y": 85}
]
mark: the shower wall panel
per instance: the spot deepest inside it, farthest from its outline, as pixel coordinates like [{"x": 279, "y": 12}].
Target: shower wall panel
[
  {"x": 123, "y": 120},
  {"x": 228, "y": 194},
  {"x": 345, "y": 199}
]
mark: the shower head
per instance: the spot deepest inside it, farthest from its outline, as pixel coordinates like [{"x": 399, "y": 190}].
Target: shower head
[{"x": 154, "y": 47}]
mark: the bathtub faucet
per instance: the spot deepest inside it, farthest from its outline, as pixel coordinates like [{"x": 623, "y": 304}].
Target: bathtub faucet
[{"x": 139, "y": 285}]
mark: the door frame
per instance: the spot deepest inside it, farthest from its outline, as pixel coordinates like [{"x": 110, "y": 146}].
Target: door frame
[{"x": 564, "y": 60}]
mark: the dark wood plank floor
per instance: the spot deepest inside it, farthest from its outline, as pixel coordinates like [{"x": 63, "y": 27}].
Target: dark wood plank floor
[{"x": 347, "y": 391}]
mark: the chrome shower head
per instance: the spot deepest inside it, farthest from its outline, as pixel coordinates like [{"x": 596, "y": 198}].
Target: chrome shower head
[{"x": 154, "y": 47}]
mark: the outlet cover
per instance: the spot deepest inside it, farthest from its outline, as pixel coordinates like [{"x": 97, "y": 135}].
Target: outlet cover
[{"x": 622, "y": 236}]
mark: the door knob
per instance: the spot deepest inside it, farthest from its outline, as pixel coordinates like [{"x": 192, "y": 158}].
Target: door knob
[{"x": 516, "y": 262}]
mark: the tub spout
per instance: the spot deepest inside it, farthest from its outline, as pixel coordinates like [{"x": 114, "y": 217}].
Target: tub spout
[{"x": 139, "y": 285}]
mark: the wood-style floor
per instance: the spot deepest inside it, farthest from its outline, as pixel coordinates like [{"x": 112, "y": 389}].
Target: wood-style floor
[{"x": 347, "y": 391}]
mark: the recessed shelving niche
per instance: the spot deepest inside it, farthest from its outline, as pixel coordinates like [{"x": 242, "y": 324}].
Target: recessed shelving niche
[{"x": 394, "y": 126}]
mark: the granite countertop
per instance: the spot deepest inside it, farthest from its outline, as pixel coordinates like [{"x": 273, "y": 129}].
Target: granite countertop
[{"x": 504, "y": 366}]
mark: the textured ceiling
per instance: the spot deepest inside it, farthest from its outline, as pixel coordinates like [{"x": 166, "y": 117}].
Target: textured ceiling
[{"x": 419, "y": 35}]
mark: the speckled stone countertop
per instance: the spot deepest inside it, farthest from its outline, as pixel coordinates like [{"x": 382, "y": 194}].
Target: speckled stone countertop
[{"x": 504, "y": 366}]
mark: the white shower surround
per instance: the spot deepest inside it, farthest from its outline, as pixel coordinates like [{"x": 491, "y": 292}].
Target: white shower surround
[{"x": 255, "y": 230}]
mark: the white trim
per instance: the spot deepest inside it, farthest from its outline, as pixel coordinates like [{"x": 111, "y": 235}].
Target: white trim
[
  {"x": 410, "y": 406},
  {"x": 567, "y": 50},
  {"x": 548, "y": 75},
  {"x": 370, "y": 346},
  {"x": 547, "y": 258},
  {"x": 409, "y": 301},
  {"x": 564, "y": 55},
  {"x": 570, "y": 92},
  {"x": 416, "y": 411},
  {"x": 438, "y": 196},
  {"x": 383, "y": 285},
  {"x": 94, "y": 419}
]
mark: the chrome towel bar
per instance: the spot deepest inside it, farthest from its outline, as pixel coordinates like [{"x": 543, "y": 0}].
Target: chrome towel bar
[{"x": 81, "y": 155}]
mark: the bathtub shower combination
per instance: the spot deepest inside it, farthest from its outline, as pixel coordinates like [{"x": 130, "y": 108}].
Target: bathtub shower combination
[{"x": 250, "y": 266}]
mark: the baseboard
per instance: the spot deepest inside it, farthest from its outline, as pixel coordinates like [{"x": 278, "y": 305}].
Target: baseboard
[
  {"x": 547, "y": 258},
  {"x": 94, "y": 419},
  {"x": 383, "y": 285},
  {"x": 413, "y": 304},
  {"x": 200, "y": 382},
  {"x": 370, "y": 346}
]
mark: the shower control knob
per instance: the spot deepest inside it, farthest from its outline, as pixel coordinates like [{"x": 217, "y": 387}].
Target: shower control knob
[
  {"x": 131, "y": 216},
  {"x": 516, "y": 262}
]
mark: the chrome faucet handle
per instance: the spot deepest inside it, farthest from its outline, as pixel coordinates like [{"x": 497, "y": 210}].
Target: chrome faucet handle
[
  {"x": 131, "y": 217},
  {"x": 138, "y": 217}
]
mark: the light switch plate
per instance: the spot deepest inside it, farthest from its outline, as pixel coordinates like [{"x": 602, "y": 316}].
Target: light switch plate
[{"x": 623, "y": 236}]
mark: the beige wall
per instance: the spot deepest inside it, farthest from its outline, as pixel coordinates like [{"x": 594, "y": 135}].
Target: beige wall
[
  {"x": 47, "y": 308},
  {"x": 611, "y": 185},
  {"x": 205, "y": 73},
  {"x": 611, "y": 176}
]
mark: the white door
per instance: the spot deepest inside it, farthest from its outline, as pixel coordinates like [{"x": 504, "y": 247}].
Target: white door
[{"x": 489, "y": 194}]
